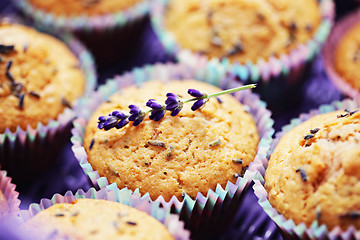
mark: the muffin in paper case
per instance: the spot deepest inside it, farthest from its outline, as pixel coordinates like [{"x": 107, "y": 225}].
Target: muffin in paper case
[
  {"x": 205, "y": 216},
  {"x": 26, "y": 153},
  {"x": 287, "y": 227},
  {"x": 171, "y": 221},
  {"x": 278, "y": 77},
  {"x": 329, "y": 55}
]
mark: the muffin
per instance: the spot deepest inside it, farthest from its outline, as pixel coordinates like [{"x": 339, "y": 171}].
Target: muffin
[
  {"x": 189, "y": 153},
  {"x": 40, "y": 77},
  {"x": 311, "y": 182},
  {"x": 313, "y": 171},
  {"x": 95, "y": 219},
  {"x": 342, "y": 55},
  {"x": 242, "y": 30},
  {"x": 40, "y": 80},
  {"x": 205, "y": 215}
]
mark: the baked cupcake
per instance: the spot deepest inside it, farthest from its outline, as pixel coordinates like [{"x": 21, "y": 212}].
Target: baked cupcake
[
  {"x": 206, "y": 157},
  {"x": 190, "y": 154},
  {"x": 265, "y": 41},
  {"x": 40, "y": 80},
  {"x": 312, "y": 176},
  {"x": 342, "y": 55},
  {"x": 110, "y": 29},
  {"x": 100, "y": 214}
]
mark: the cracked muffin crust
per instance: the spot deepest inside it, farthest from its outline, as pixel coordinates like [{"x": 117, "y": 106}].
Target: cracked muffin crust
[
  {"x": 189, "y": 153},
  {"x": 314, "y": 171}
]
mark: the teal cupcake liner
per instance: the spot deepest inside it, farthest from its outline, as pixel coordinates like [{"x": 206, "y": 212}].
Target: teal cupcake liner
[
  {"x": 11, "y": 196},
  {"x": 287, "y": 227},
  {"x": 288, "y": 67},
  {"x": 51, "y": 21},
  {"x": 28, "y": 152},
  {"x": 220, "y": 205},
  {"x": 124, "y": 196}
]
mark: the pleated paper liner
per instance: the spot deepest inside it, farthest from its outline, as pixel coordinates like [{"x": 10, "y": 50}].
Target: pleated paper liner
[
  {"x": 124, "y": 196},
  {"x": 329, "y": 51},
  {"x": 287, "y": 227},
  {"x": 110, "y": 37},
  {"x": 206, "y": 216},
  {"x": 26, "y": 153},
  {"x": 278, "y": 78},
  {"x": 11, "y": 196}
]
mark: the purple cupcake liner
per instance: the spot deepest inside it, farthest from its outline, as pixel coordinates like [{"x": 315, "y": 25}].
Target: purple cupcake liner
[
  {"x": 11, "y": 196},
  {"x": 288, "y": 66},
  {"x": 51, "y": 21},
  {"x": 124, "y": 196},
  {"x": 28, "y": 152},
  {"x": 287, "y": 227},
  {"x": 219, "y": 206},
  {"x": 329, "y": 51}
]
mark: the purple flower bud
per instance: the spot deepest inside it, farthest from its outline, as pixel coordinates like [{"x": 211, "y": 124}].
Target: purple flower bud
[
  {"x": 134, "y": 112},
  {"x": 122, "y": 123},
  {"x": 113, "y": 120},
  {"x": 196, "y": 93},
  {"x": 102, "y": 119},
  {"x": 152, "y": 103},
  {"x": 110, "y": 123},
  {"x": 198, "y": 104},
  {"x": 137, "y": 115},
  {"x": 174, "y": 104},
  {"x": 157, "y": 115}
]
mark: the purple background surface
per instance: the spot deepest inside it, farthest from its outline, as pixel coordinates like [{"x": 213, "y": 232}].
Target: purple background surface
[{"x": 251, "y": 222}]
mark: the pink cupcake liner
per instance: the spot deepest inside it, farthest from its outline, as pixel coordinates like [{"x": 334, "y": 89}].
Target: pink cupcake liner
[
  {"x": 329, "y": 50},
  {"x": 206, "y": 216},
  {"x": 8, "y": 189},
  {"x": 28, "y": 152},
  {"x": 124, "y": 196},
  {"x": 287, "y": 227}
]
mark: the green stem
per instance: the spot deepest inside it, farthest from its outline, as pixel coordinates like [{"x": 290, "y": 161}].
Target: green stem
[{"x": 222, "y": 92}]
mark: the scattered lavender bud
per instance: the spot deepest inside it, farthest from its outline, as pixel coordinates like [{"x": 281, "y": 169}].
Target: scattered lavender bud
[{"x": 6, "y": 49}]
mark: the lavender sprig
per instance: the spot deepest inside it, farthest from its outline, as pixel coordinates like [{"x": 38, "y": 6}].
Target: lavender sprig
[{"x": 173, "y": 103}]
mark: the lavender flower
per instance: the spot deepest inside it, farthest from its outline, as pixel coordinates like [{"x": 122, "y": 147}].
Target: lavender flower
[
  {"x": 198, "y": 104},
  {"x": 196, "y": 93},
  {"x": 136, "y": 115},
  {"x": 174, "y": 104},
  {"x": 116, "y": 119},
  {"x": 200, "y": 97},
  {"x": 158, "y": 110}
]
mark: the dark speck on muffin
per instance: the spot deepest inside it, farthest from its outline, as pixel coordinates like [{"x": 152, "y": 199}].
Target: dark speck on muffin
[{"x": 302, "y": 173}]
